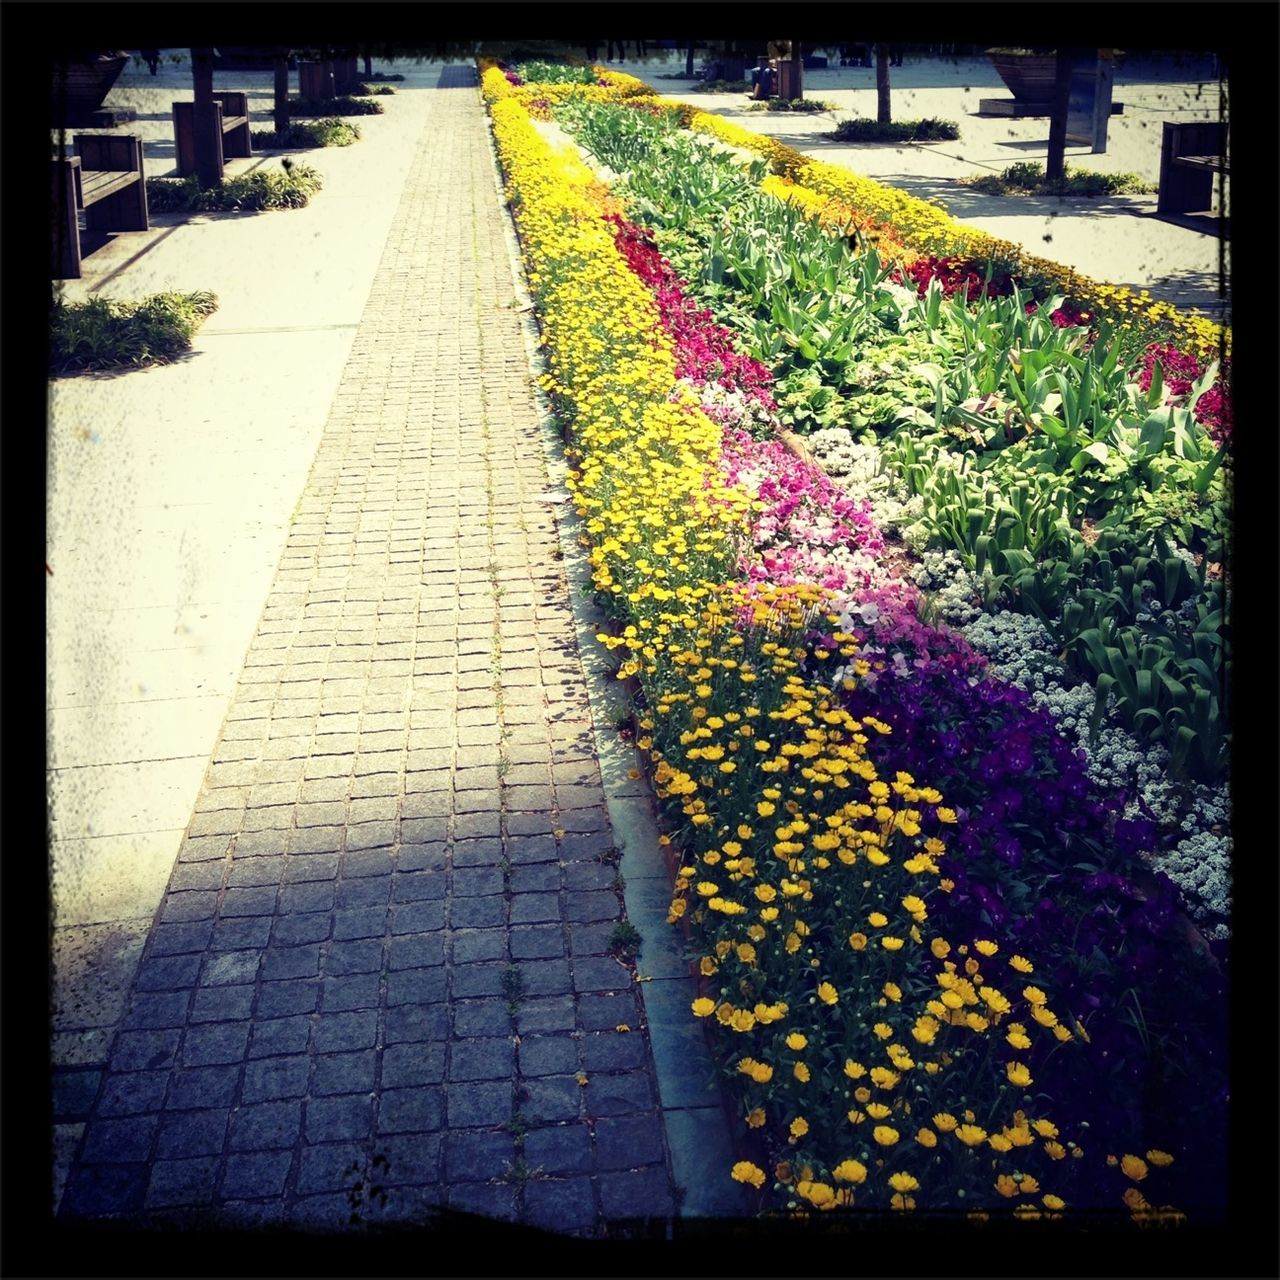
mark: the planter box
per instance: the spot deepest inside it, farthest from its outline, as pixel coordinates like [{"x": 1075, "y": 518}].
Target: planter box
[{"x": 1030, "y": 77}]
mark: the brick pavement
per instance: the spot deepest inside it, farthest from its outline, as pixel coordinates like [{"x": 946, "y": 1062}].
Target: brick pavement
[{"x": 386, "y": 934}]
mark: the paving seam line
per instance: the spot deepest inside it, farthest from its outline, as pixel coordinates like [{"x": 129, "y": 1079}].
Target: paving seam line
[{"x": 632, "y": 807}]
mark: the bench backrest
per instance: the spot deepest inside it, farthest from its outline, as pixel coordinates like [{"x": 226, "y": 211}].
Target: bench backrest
[
  {"x": 235, "y": 102},
  {"x": 110, "y": 152},
  {"x": 1196, "y": 138}
]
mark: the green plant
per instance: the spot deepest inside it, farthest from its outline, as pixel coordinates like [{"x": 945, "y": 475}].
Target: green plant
[
  {"x": 371, "y": 90},
  {"x": 315, "y": 133},
  {"x": 512, "y": 983},
  {"x": 1027, "y": 177},
  {"x": 625, "y": 941},
  {"x": 723, "y": 86},
  {"x": 545, "y": 72},
  {"x": 290, "y": 189},
  {"x": 342, "y": 106},
  {"x": 104, "y": 333},
  {"x": 805, "y": 106},
  {"x": 929, "y": 129}
]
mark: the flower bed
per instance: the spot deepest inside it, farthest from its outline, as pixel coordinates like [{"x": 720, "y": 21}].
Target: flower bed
[{"x": 890, "y": 1041}]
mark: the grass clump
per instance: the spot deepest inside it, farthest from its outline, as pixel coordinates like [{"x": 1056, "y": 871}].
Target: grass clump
[
  {"x": 373, "y": 90},
  {"x": 383, "y": 76},
  {"x": 290, "y": 188},
  {"x": 807, "y": 106},
  {"x": 105, "y": 333},
  {"x": 929, "y": 129},
  {"x": 723, "y": 86},
  {"x": 341, "y": 106},
  {"x": 540, "y": 72},
  {"x": 312, "y": 133},
  {"x": 1027, "y": 178}
]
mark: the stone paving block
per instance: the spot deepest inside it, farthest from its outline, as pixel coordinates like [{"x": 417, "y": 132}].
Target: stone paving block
[
  {"x": 551, "y": 1098},
  {"x": 416, "y": 1110},
  {"x": 583, "y": 876},
  {"x": 330, "y": 1166},
  {"x": 605, "y": 1012},
  {"x": 220, "y": 1042},
  {"x": 292, "y": 995},
  {"x": 181, "y": 1182},
  {"x": 416, "y": 950},
  {"x": 192, "y": 1133},
  {"x": 411, "y": 1161},
  {"x": 120, "y": 1141},
  {"x": 290, "y": 962},
  {"x": 546, "y": 977},
  {"x": 138, "y": 1050},
  {"x": 230, "y": 968},
  {"x": 359, "y": 922},
  {"x": 416, "y": 986},
  {"x": 363, "y": 893},
  {"x": 222, "y": 1004},
  {"x": 590, "y": 939},
  {"x": 272, "y": 1078},
  {"x": 412, "y": 1023},
  {"x": 559, "y": 1150},
  {"x": 297, "y": 898},
  {"x": 475, "y": 980},
  {"x": 476, "y": 1157},
  {"x": 167, "y": 973},
  {"x": 600, "y": 973},
  {"x": 554, "y": 1013},
  {"x": 359, "y": 863},
  {"x": 620, "y": 1093},
  {"x": 298, "y": 930},
  {"x": 239, "y": 935},
  {"x": 533, "y": 908},
  {"x": 592, "y": 906},
  {"x": 481, "y": 1058},
  {"x": 547, "y": 1055},
  {"x": 537, "y": 942},
  {"x": 343, "y": 1116},
  {"x": 473, "y": 882},
  {"x": 255, "y": 872},
  {"x": 74, "y": 1093},
  {"x": 345, "y": 1073},
  {"x": 264, "y": 1126},
  {"x": 276, "y": 1037},
  {"x": 341, "y": 1032},
  {"x": 417, "y": 917},
  {"x": 357, "y": 991},
  {"x": 644, "y": 1193},
  {"x": 154, "y": 1009},
  {"x": 128, "y": 1093},
  {"x": 94, "y": 1190},
  {"x": 249, "y": 902},
  {"x": 484, "y": 1104},
  {"x": 560, "y": 1204},
  {"x": 313, "y": 866},
  {"x": 489, "y": 1201},
  {"x": 422, "y": 857},
  {"x": 251, "y": 1175},
  {"x": 484, "y": 851},
  {"x": 172, "y": 939},
  {"x": 627, "y": 1142},
  {"x": 470, "y": 945},
  {"x": 612, "y": 1051},
  {"x": 194, "y": 1087}
]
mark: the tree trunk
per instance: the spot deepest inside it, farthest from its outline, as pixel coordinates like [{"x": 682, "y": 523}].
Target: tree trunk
[
  {"x": 1055, "y": 166},
  {"x": 884, "y": 109},
  {"x": 688, "y": 62},
  {"x": 797, "y": 72},
  {"x": 204, "y": 123},
  {"x": 368, "y": 67},
  {"x": 280, "y": 107}
]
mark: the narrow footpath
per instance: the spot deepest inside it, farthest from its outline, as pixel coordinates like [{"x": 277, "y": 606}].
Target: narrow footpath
[{"x": 383, "y": 953}]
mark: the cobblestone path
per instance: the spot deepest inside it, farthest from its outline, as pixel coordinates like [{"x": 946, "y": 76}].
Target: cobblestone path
[{"x": 387, "y": 931}]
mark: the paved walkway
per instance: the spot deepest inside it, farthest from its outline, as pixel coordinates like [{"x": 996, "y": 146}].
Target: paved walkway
[{"x": 387, "y": 931}]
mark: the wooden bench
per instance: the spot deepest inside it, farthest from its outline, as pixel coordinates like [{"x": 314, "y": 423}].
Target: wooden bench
[
  {"x": 104, "y": 178},
  {"x": 1190, "y": 157},
  {"x": 231, "y": 112}
]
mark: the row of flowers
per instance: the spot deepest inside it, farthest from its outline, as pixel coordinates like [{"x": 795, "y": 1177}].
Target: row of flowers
[{"x": 875, "y": 1051}]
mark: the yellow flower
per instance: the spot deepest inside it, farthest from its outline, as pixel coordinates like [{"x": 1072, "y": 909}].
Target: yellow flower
[
  {"x": 893, "y": 991},
  {"x": 891, "y": 944},
  {"x": 854, "y": 1070},
  {"x": 796, "y": 1041},
  {"x": 945, "y": 1121},
  {"x": 850, "y": 1171},
  {"x": 1047, "y": 1129},
  {"x": 1034, "y": 995},
  {"x": 927, "y": 1138},
  {"x": 857, "y": 941},
  {"x": 801, "y": 1072},
  {"x": 970, "y": 1134},
  {"x": 877, "y": 920},
  {"x": 884, "y": 1135},
  {"x": 940, "y": 948},
  {"x": 707, "y": 966},
  {"x": 1055, "y": 1150},
  {"x": 799, "y": 1127},
  {"x": 1159, "y": 1158},
  {"x": 1053, "y": 1202},
  {"x": 1018, "y": 1074},
  {"x": 878, "y": 1111},
  {"x": 703, "y": 1008},
  {"x": 745, "y": 1171},
  {"x": 1021, "y": 965},
  {"x": 755, "y": 1118},
  {"x": 985, "y": 947},
  {"x": 817, "y": 1194},
  {"x": 827, "y": 993},
  {"x": 1133, "y": 1167},
  {"x": 903, "y": 1182}
]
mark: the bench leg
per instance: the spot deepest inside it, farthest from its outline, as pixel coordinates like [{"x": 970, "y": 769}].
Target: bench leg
[
  {"x": 1185, "y": 190},
  {"x": 237, "y": 141},
  {"x": 65, "y": 257}
]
